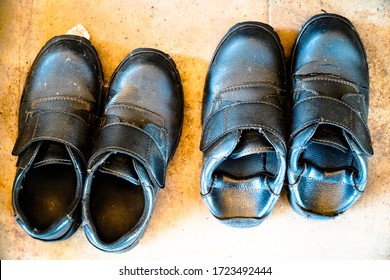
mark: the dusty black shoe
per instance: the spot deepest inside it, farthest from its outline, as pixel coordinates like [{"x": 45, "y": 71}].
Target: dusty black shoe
[
  {"x": 243, "y": 138},
  {"x": 57, "y": 114},
  {"x": 330, "y": 141},
  {"x": 138, "y": 136}
]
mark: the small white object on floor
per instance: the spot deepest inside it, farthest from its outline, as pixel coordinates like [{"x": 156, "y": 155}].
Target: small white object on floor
[{"x": 79, "y": 30}]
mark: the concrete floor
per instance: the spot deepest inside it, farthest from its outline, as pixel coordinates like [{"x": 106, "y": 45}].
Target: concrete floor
[{"x": 182, "y": 227}]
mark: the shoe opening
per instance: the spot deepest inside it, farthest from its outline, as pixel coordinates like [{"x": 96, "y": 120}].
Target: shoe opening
[
  {"x": 116, "y": 203},
  {"x": 49, "y": 187}
]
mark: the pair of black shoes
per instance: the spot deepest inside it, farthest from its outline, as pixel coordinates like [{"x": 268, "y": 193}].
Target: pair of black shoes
[
  {"x": 255, "y": 133},
  {"x": 73, "y": 168}
]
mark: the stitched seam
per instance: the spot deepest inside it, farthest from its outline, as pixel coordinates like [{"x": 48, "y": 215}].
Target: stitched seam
[
  {"x": 259, "y": 149},
  {"x": 224, "y": 119},
  {"x": 33, "y": 138},
  {"x": 147, "y": 155},
  {"x": 303, "y": 143},
  {"x": 207, "y": 142},
  {"x": 249, "y": 124},
  {"x": 61, "y": 98},
  {"x": 35, "y": 127},
  {"x": 57, "y": 139},
  {"x": 148, "y": 150},
  {"x": 163, "y": 134},
  {"x": 362, "y": 98},
  {"x": 231, "y": 149},
  {"x": 254, "y": 150},
  {"x": 330, "y": 98},
  {"x": 250, "y": 85},
  {"x": 354, "y": 86},
  {"x": 300, "y": 89},
  {"x": 210, "y": 158},
  {"x": 318, "y": 180},
  {"x": 273, "y": 105},
  {"x": 238, "y": 126},
  {"x": 262, "y": 99},
  {"x": 129, "y": 151},
  {"x": 330, "y": 142},
  {"x": 227, "y": 99},
  {"x": 54, "y": 160},
  {"x": 321, "y": 121},
  {"x": 351, "y": 119},
  {"x": 62, "y": 112},
  {"x": 119, "y": 174},
  {"x": 137, "y": 128},
  {"x": 123, "y": 149},
  {"x": 243, "y": 86},
  {"x": 226, "y": 186},
  {"x": 241, "y": 103},
  {"x": 163, "y": 129},
  {"x": 142, "y": 110},
  {"x": 281, "y": 98}
]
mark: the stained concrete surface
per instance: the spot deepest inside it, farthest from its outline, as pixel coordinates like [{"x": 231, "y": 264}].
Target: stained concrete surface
[{"x": 181, "y": 226}]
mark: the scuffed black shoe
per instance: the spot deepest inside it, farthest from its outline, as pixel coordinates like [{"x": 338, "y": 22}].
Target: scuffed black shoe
[
  {"x": 138, "y": 136},
  {"x": 330, "y": 139},
  {"x": 57, "y": 115},
  {"x": 243, "y": 138}
]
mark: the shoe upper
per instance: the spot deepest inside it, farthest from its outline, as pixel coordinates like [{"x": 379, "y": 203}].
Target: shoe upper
[
  {"x": 138, "y": 135},
  {"x": 330, "y": 139},
  {"x": 243, "y": 117},
  {"x": 57, "y": 114}
]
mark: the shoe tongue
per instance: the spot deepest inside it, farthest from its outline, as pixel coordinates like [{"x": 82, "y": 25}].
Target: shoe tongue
[
  {"x": 121, "y": 166},
  {"x": 251, "y": 142},
  {"x": 331, "y": 136},
  {"x": 52, "y": 153}
]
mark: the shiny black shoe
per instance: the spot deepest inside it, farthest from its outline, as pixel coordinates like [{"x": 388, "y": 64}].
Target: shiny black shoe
[
  {"x": 243, "y": 137},
  {"x": 57, "y": 115},
  {"x": 137, "y": 138},
  {"x": 330, "y": 140}
]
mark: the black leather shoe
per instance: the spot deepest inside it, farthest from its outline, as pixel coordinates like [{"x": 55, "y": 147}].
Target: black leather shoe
[
  {"x": 330, "y": 139},
  {"x": 57, "y": 114},
  {"x": 139, "y": 133},
  {"x": 243, "y": 138}
]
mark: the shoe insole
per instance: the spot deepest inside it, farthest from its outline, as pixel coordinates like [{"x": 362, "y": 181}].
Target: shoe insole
[
  {"x": 48, "y": 192},
  {"x": 116, "y": 206}
]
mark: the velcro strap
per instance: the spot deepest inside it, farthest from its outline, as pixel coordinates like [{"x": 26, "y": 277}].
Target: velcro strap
[
  {"x": 250, "y": 115},
  {"x": 56, "y": 126},
  {"x": 135, "y": 142},
  {"x": 327, "y": 110}
]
